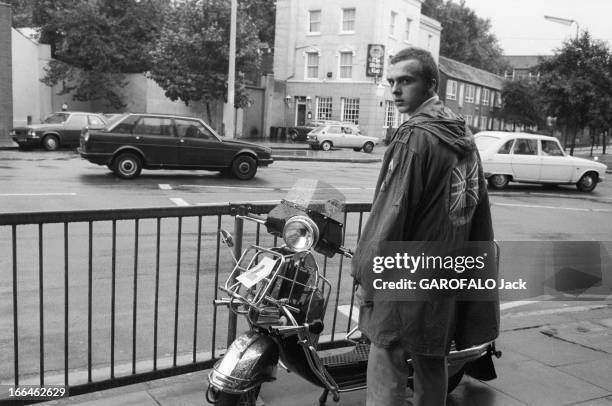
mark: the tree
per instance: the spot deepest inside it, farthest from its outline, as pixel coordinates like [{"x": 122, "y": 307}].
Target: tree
[
  {"x": 21, "y": 13},
  {"x": 520, "y": 104},
  {"x": 465, "y": 37},
  {"x": 576, "y": 85},
  {"x": 96, "y": 43},
  {"x": 190, "y": 59}
]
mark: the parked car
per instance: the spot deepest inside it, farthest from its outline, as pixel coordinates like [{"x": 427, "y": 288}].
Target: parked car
[
  {"x": 300, "y": 133},
  {"x": 533, "y": 158},
  {"x": 340, "y": 136},
  {"x": 157, "y": 141},
  {"x": 61, "y": 129}
]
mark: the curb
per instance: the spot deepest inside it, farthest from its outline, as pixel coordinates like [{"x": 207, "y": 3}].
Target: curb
[{"x": 349, "y": 160}]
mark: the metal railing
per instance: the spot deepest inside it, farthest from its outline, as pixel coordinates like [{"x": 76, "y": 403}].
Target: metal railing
[{"x": 100, "y": 299}]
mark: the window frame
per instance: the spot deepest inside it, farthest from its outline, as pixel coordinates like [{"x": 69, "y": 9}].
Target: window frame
[
  {"x": 391, "y": 115},
  {"x": 392, "y": 23},
  {"x": 486, "y": 95},
  {"x": 449, "y": 86},
  {"x": 307, "y": 66},
  {"x": 342, "y": 20},
  {"x": 310, "y": 22},
  {"x": 407, "y": 31},
  {"x": 469, "y": 93},
  {"x": 350, "y": 106},
  {"x": 324, "y": 104},
  {"x": 340, "y": 65}
]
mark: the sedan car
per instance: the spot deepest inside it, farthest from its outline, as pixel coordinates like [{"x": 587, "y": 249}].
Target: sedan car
[
  {"x": 62, "y": 129},
  {"x": 533, "y": 158},
  {"x": 156, "y": 141},
  {"x": 340, "y": 136}
]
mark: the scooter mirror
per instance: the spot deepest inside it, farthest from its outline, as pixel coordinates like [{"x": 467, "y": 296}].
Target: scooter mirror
[{"x": 226, "y": 238}]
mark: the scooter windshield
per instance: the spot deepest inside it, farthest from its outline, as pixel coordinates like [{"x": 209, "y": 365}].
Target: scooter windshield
[{"x": 321, "y": 202}]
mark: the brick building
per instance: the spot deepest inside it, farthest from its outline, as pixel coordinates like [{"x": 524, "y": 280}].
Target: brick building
[
  {"x": 522, "y": 67},
  {"x": 331, "y": 56},
  {"x": 471, "y": 92}
]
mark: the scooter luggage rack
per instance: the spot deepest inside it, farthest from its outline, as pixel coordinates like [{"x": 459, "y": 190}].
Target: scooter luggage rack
[{"x": 291, "y": 283}]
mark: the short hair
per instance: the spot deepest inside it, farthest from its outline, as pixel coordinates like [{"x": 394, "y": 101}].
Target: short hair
[{"x": 429, "y": 68}]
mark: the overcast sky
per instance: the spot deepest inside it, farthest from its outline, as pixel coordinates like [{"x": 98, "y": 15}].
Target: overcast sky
[{"x": 521, "y": 29}]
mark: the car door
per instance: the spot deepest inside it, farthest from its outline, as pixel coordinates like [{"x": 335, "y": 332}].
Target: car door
[
  {"x": 198, "y": 147},
  {"x": 350, "y": 138},
  {"x": 155, "y": 137},
  {"x": 334, "y": 134},
  {"x": 525, "y": 160},
  {"x": 555, "y": 167},
  {"x": 71, "y": 133},
  {"x": 501, "y": 162}
]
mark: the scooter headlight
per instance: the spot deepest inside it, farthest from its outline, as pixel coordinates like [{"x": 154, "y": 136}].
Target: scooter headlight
[{"x": 300, "y": 233}]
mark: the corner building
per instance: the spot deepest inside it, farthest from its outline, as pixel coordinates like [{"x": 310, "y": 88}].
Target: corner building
[{"x": 331, "y": 59}]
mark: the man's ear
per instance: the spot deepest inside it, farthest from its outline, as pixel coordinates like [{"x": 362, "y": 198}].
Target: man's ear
[{"x": 433, "y": 86}]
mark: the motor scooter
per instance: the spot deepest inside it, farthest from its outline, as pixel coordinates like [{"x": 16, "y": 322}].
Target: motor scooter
[{"x": 284, "y": 297}]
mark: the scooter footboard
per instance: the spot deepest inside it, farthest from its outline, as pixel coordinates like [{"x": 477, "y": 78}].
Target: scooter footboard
[{"x": 251, "y": 360}]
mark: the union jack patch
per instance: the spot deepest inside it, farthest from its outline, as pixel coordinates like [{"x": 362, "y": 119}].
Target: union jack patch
[{"x": 464, "y": 191}]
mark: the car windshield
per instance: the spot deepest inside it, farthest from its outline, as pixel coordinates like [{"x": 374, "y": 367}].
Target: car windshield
[
  {"x": 56, "y": 118},
  {"x": 318, "y": 130},
  {"x": 484, "y": 142}
]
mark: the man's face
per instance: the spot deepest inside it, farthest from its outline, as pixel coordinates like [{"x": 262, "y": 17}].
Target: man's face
[{"x": 407, "y": 85}]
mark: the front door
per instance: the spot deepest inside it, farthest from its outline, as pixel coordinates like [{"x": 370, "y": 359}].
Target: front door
[
  {"x": 72, "y": 129},
  {"x": 300, "y": 113},
  {"x": 155, "y": 137},
  {"x": 525, "y": 160},
  {"x": 198, "y": 147},
  {"x": 554, "y": 163}
]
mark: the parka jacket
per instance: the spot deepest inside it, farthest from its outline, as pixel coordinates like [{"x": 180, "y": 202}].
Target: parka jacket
[{"x": 431, "y": 188}]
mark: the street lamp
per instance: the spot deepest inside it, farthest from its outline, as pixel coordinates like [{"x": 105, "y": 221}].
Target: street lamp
[
  {"x": 564, "y": 21},
  {"x": 229, "y": 111}
]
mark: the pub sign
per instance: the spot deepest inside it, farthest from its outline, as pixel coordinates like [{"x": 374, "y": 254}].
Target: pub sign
[{"x": 375, "y": 61}]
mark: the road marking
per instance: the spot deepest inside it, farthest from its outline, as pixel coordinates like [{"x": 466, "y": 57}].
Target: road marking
[
  {"x": 165, "y": 186},
  {"x": 37, "y": 194},
  {"x": 232, "y": 187},
  {"x": 534, "y": 206},
  {"x": 179, "y": 202}
]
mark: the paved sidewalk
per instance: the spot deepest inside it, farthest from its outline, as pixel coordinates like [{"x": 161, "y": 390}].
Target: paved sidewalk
[{"x": 559, "y": 356}]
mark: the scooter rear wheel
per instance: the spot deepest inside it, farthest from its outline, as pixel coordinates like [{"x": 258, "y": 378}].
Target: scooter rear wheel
[{"x": 230, "y": 399}]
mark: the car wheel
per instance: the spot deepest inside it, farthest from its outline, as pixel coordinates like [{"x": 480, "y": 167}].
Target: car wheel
[
  {"x": 244, "y": 167},
  {"x": 356, "y": 149},
  {"x": 587, "y": 182},
  {"x": 498, "y": 181},
  {"x": 326, "y": 146},
  {"x": 293, "y": 135},
  {"x": 127, "y": 165},
  {"x": 50, "y": 142},
  {"x": 368, "y": 147}
]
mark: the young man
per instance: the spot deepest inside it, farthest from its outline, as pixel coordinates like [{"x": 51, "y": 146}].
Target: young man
[{"x": 431, "y": 188}]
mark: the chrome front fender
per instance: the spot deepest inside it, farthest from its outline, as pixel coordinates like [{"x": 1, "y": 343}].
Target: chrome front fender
[{"x": 251, "y": 360}]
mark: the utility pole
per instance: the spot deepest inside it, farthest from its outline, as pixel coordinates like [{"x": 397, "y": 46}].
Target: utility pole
[{"x": 228, "y": 110}]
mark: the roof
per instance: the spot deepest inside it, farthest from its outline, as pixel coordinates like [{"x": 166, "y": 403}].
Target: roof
[
  {"x": 523, "y": 61},
  {"x": 507, "y": 134},
  {"x": 467, "y": 73}
]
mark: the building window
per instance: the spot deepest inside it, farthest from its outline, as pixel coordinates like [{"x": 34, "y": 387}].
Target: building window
[
  {"x": 469, "y": 94},
  {"x": 408, "y": 24},
  {"x": 484, "y": 120},
  {"x": 451, "y": 90},
  {"x": 499, "y": 100},
  {"x": 346, "y": 65},
  {"x": 485, "y": 97},
  {"x": 348, "y": 20},
  {"x": 468, "y": 119},
  {"x": 350, "y": 110},
  {"x": 314, "y": 22},
  {"x": 391, "y": 115},
  {"x": 392, "y": 23},
  {"x": 312, "y": 65},
  {"x": 477, "y": 100},
  {"x": 475, "y": 121},
  {"x": 324, "y": 108}
]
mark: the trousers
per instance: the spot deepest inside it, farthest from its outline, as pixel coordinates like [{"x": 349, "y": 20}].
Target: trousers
[{"x": 388, "y": 374}]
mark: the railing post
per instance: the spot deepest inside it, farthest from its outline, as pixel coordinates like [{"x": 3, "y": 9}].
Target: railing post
[{"x": 238, "y": 230}]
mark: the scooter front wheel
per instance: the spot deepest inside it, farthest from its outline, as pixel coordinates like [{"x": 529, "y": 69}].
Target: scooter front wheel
[{"x": 230, "y": 399}]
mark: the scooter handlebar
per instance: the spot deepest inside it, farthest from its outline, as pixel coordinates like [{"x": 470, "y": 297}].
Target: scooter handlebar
[{"x": 316, "y": 327}]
